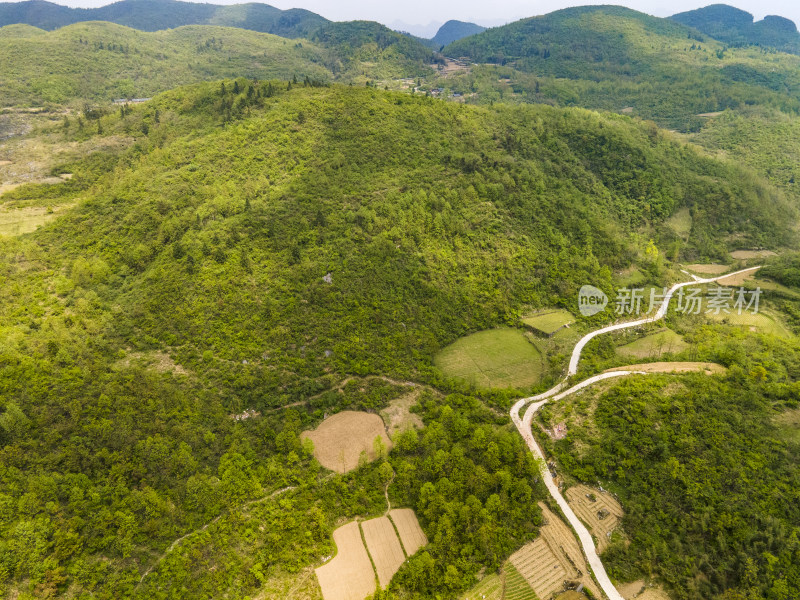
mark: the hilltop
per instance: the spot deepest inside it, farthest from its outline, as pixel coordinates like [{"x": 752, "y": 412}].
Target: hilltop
[
  {"x": 453, "y": 31},
  {"x": 737, "y": 27},
  {"x": 256, "y": 246},
  {"x": 155, "y": 15}
]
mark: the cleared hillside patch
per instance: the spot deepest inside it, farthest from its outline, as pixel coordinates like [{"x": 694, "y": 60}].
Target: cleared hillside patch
[
  {"x": 496, "y": 358},
  {"x": 349, "y": 576},
  {"x": 19, "y": 221},
  {"x": 656, "y": 344},
  {"x": 674, "y": 367},
  {"x": 737, "y": 279},
  {"x": 340, "y": 440},
  {"x": 398, "y": 415},
  {"x": 760, "y": 322},
  {"x": 748, "y": 254},
  {"x": 548, "y": 322},
  {"x": 708, "y": 269}
]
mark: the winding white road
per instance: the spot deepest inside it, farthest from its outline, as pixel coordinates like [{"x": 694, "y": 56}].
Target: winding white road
[{"x": 523, "y": 423}]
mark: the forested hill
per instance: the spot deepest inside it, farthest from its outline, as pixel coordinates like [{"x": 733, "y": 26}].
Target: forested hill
[
  {"x": 616, "y": 58},
  {"x": 98, "y": 61},
  {"x": 154, "y": 15},
  {"x": 737, "y": 27},
  {"x": 262, "y": 241},
  {"x": 454, "y": 30}
]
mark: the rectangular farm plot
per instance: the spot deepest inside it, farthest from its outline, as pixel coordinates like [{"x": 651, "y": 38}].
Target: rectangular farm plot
[
  {"x": 411, "y": 533},
  {"x": 384, "y": 548},
  {"x": 349, "y": 576}
]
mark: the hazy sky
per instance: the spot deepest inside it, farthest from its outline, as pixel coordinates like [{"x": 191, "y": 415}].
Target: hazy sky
[{"x": 489, "y": 12}]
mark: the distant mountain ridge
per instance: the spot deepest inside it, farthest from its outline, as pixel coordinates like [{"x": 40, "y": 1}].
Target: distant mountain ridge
[
  {"x": 156, "y": 15},
  {"x": 738, "y": 27}
]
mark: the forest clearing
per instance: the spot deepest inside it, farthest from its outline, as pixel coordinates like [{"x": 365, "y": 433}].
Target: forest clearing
[
  {"x": 673, "y": 367},
  {"x": 655, "y": 344},
  {"x": 494, "y": 358},
  {"x": 340, "y": 440}
]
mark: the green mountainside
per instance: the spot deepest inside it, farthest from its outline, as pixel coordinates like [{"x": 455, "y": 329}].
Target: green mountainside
[
  {"x": 617, "y": 59},
  {"x": 154, "y": 15},
  {"x": 100, "y": 61},
  {"x": 736, "y": 27},
  {"x": 258, "y": 243}
]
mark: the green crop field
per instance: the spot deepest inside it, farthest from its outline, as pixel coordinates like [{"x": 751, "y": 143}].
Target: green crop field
[
  {"x": 489, "y": 588},
  {"x": 549, "y": 322},
  {"x": 655, "y": 344},
  {"x": 497, "y": 358},
  {"x": 516, "y": 588}
]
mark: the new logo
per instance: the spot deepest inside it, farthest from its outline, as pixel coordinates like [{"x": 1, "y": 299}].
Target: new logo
[{"x": 591, "y": 300}]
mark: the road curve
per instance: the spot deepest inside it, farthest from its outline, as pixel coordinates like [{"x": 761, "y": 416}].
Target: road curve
[{"x": 558, "y": 392}]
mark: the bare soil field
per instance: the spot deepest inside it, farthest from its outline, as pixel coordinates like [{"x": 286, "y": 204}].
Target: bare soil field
[
  {"x": 653, "y": 593},
  {"x": 602, "y": 515},
  {"x": 747, "y": 254},
  {"x": 738, "y": 279},
  {"x": 552, "y": 559},
  {"x": 632, "y": 589},
  {"x": 349, "y": 576},
  {"x": 383, "y": 547},
  {"x": 341, "y": 438},
  {"x": 398, "y": 415},
  {"x": 674, "y": 367},
  {"x": 411, "y": 533},
  {"x": 710, "y": 269}
]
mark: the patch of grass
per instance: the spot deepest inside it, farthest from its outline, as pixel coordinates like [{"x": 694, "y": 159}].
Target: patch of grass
[
  {"x": 655, "y": 344},
  {"x": 16, "y": 222},
  {"x": 788, "y": 423},
  {"x": 681, "y": 223},
  {"x": 489, "y": 588},
  {"x": 550, "y": 321},
  {"x": 629, "y": 277},
  {"x": 496, "y": 358}
]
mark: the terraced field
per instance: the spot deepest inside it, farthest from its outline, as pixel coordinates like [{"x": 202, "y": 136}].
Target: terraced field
[
  {"x": 552, "y": 559},
  {"x": 599, "y": 510}
]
